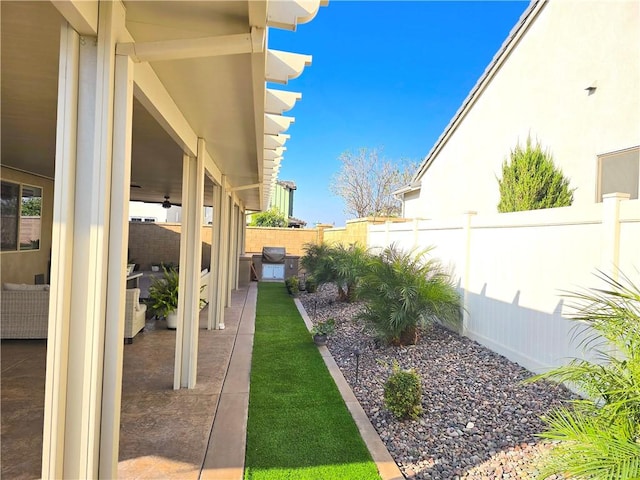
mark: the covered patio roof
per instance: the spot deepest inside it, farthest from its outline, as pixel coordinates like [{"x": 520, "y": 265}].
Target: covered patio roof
[{"x": 201, "y": 72}]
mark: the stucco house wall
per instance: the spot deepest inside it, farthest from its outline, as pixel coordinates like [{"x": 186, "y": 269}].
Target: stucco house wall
[
  {"x": 540, "y": 90},
  {"x": 22, "y": 266}
]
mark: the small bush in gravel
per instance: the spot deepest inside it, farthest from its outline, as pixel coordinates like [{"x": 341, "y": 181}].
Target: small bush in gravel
[
  {"x": 292, "y": 283},
  {"x": 403, "y": 393},
  {"x": 310, "y": 284}
]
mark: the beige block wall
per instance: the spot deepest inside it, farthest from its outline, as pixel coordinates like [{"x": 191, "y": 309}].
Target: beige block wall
[
  {"x": 21, "y": 267},
  {"x": 151, "y": 243},
  {"x": 292, "y": 239}
]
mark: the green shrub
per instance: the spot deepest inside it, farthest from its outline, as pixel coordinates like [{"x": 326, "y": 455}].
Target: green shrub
[
  {"x": 269, "y": 218},
  {"x": 600, "y": 435},
  {"x": 293, "y": 284},
  {"x": 531, "y": 181},
  {"x": 403, "y": 393},
  {"x": 310, "y": 284},
  {"x": 403, "y": 291}
]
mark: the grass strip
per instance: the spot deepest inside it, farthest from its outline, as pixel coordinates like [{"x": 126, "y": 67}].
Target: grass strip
[{"x": 299, "y": 426}]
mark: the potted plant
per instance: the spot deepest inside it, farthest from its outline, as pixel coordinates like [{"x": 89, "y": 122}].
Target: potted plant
[
  {"x": 321, "y": 330},
  {"x": 163, "y": 293}
]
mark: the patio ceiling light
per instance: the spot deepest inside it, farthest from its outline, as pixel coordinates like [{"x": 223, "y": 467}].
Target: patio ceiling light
[{"x": 166, "y": 203}]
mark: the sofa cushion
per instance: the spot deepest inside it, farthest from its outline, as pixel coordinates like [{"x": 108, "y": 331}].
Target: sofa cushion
[{"x": 24, "y": 287}]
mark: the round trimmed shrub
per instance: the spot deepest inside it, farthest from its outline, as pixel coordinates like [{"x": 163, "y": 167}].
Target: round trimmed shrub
[{"x": 403, "y": 393}]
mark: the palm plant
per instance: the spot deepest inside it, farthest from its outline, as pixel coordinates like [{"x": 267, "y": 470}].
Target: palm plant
[
  {"x": 349, "y": 264},
  {"x": 317, "y": 263},
  {"x": 405, "y": 290},
  {"x": 600, "y": 436},
  {"x": 337, "y": 264},
  {"x": 163, "y": 292}
]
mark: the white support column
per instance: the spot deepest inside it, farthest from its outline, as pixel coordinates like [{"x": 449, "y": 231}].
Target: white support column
[
  {"x": 77, "y": 399},
  {"x": 466, "y": 268},
  {"x": 61, "y": 253},
  {"x": 229, "y": 251},
  {"x": 223, "y": 236},
  {"x": 215, "y": 321},
  {"x": 116, "y": 285},
  {"x": 611, "y": 231},
  {"x": 236, "y": 269},
  {"x": 186, "y": 360},
  {"x": 212, "y": 319},
  {"x": 243, "y": 225}
]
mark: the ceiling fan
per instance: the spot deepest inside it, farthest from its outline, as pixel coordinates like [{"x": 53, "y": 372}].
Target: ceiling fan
[{"x": 166, "y": 203}]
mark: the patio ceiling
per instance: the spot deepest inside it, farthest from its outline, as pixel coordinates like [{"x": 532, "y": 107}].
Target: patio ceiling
[{"x": 222, "y": 97}]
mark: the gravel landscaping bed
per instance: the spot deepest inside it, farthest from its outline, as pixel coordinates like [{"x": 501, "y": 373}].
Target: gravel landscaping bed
[{"x": 479, "y": 420}]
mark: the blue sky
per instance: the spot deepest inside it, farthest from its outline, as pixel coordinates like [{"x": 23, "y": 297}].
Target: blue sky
[{"x": 385, "y": 74}]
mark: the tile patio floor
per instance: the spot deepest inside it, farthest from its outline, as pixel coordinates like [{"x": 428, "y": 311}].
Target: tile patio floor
[{"x": 164, "y": 433}]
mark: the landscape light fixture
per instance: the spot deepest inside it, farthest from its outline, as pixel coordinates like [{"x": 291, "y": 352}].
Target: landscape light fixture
[
  {"x": 166, "y": 203},
  {"x": 358, "y": 352}
]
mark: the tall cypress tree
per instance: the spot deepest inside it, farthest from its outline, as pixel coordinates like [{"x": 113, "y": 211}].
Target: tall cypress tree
[{"x": 531, "y": 181}]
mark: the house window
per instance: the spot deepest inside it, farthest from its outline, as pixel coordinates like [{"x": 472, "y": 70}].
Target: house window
[
  {"x": 21, "y": 216},
  {"x": 619, "y": 172}
]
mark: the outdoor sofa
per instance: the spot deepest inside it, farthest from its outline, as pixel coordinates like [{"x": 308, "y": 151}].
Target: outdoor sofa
[{"x": 24, "y": 312}]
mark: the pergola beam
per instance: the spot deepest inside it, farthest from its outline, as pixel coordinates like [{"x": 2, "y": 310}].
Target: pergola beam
[
  {"x": 253, "y": 42},
  {"x": 245, "y": 187}
]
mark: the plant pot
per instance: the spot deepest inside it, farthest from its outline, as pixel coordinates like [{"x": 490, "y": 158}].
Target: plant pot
[
  {"x": 320, "y": 339},
  {"x": 172, "y": 320}
]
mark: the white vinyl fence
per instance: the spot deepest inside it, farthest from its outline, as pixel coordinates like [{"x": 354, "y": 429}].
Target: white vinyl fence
[{"x": 513, "y": 268}]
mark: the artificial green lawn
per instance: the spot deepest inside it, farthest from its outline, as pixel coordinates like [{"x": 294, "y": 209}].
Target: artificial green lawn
[{"x": 299, "y": 426}]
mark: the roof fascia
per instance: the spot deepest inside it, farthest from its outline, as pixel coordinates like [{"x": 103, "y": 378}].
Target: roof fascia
[{"x": 527, "y": 18}]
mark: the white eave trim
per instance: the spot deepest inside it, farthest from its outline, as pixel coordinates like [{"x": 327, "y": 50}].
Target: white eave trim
[
  {"x": 273, "y": 154},
  {"x": 280, "y": 101},
  {"x": 275, "y": 124},
  {"x": 285, "y": 66},
  {"x": 272, "y": 142},
  {"x": 287, "y": 14},
  {"x": 412, "y": 187}
]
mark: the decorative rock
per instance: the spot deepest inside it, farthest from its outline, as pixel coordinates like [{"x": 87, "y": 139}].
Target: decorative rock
[{"x": 478, "y": 417}]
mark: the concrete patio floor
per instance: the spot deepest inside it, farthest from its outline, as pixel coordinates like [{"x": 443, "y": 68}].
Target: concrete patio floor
[{"x": 164, "y": 433}]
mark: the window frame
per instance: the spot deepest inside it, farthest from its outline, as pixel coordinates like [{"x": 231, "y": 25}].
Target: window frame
[
  {"x": 20, "y": 217},
  {"x": 600, "y": 158}
]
